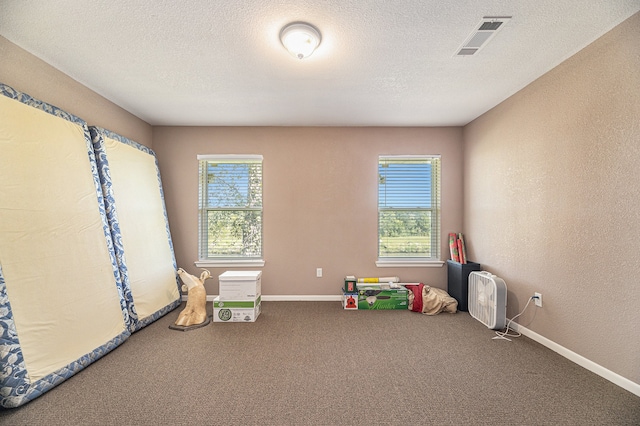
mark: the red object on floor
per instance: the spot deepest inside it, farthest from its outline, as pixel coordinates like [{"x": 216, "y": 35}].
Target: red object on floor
[{"x": 416, "y": 289}]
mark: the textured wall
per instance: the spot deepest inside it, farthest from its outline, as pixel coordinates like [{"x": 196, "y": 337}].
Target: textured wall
[
  {"x": 552, "y": 200},
  {"x": 320, "y": 198},
  {"x": 26, "y": 73}
]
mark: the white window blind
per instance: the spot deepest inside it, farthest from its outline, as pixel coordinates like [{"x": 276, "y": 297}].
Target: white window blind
[
  {"x": 230, "y": 194},
  {"x": 409, "y": 207}
]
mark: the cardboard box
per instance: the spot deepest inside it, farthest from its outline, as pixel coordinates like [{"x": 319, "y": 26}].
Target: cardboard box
[
  {"x": 236, "y": 310},
  {"x": 350, "y": 301},
  {"x": 350, "y": 284},
  {"x": 372, "y": 296},
  {"x": 240, "y": 285}
]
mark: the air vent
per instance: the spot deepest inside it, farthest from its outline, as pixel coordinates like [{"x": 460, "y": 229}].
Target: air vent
[
  {"x": 490, "y": 26},
  {"x": 485, "y": 31},
  {"x": 466, "y": 51}
]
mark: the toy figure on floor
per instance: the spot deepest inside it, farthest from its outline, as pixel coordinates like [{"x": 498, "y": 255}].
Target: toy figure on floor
[{"x": 194, "y": 315}]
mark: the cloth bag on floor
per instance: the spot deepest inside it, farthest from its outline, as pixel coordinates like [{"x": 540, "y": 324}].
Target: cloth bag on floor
[{"x": 430, "y": 300}]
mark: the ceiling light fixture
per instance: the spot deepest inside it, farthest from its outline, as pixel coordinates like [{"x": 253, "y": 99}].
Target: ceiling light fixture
[{"x": 300, "y": 39}]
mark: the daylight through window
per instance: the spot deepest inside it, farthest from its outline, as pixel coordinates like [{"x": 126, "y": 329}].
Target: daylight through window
[
  {"x": 230, "y": 207},
  {"x": 409, "y": 207}
]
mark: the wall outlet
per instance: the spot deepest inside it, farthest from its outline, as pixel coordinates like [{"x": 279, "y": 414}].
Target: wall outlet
[
  {"x": 319, "y": 272},
  {"x": 538, "y": 300}
]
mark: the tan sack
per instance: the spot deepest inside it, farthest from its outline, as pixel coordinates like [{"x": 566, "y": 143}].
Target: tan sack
[{"x": 436, "y": 300}]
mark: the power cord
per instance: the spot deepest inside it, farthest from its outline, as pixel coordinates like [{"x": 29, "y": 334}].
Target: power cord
[{"x": 502, "y": 334}]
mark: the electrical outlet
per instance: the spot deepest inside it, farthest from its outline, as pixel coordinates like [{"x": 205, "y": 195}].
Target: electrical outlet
[
  {"x": 319, "y": 272},
  {"x": 538, "y": 299}
]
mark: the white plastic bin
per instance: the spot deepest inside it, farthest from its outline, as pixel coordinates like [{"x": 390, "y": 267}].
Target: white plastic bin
[{"x": 240, "y": 285}]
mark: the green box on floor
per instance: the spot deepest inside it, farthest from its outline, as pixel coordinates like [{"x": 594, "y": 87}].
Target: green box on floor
[{"x": 372, "y": 296}]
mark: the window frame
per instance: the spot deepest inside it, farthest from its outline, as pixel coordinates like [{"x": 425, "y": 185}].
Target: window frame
[
  {"x": 225, "y": 261},
  {"x": 436, "y": 202}
]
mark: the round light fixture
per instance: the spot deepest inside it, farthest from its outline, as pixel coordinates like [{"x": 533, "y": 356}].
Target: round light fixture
[{"x": 300, "y": 39}]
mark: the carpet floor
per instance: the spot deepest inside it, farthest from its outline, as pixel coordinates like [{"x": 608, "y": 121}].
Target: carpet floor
[{"x": 313, "y": 363}]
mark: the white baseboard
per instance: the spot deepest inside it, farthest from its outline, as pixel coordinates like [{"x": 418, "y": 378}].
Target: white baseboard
[
  {"x": 615, "y": 378},
  {"x": 287, "y": 298},
  {"x": 302, "y": 298}
]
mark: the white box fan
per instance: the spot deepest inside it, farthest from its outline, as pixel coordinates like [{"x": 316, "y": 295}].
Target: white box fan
[{"x": 488, "y": 299}]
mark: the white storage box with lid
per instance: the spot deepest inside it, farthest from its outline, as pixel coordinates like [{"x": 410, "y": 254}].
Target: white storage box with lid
[{"x": 240, "y": 285}]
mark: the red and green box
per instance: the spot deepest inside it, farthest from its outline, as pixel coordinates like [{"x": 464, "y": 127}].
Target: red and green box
[{"x": 350, "y": 285}]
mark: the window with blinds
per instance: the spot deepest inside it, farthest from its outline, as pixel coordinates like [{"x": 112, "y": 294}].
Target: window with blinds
[
  {"x": 230, "y": 194},
  {"x": 409, "y": 207}
]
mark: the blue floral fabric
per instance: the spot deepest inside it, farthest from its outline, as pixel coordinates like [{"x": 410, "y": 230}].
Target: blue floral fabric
[
  {"x": 16, "y": 387},
  {"x": 97, "y": 137}
]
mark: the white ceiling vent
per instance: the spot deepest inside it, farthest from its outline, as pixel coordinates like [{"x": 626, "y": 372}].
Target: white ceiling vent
[{"x": 485, "y": 31}]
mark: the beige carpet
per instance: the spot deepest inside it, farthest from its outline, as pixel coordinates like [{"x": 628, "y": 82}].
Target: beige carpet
[{"x": 312, "y": 363}]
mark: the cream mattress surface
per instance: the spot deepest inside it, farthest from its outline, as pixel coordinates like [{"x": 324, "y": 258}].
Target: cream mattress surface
[
  {"x": 140, "y": 207},
  {"x": 146, "y": 242},
  {"x": 60, "y": 276}
]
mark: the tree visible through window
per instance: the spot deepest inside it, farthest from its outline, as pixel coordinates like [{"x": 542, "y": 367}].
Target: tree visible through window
[
  {"x": 230, "y": 207},
  {"x": 409, "y": 207}
]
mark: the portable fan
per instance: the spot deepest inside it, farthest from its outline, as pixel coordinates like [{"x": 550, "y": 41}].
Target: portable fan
[{"x": 488, "y": 299}]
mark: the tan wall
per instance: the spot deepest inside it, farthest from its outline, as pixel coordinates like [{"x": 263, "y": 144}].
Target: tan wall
[
  {"x": 552, "y": 200},
  {"x": 320, "y": 198},
  {"x": 26, "y": 73}
]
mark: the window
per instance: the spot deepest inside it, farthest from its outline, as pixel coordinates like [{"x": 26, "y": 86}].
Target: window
[
  {"x": 230, "y": 210},
  {"x": 408, "y": 209}
]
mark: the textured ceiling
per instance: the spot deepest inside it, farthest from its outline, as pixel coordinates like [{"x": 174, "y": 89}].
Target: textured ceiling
[{"x": 380, "y": 63}]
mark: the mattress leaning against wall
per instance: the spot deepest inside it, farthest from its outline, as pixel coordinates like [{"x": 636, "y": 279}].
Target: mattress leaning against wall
[
  {"x": 134, "y": 199},
  {"x": 62, "y": 305}
]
